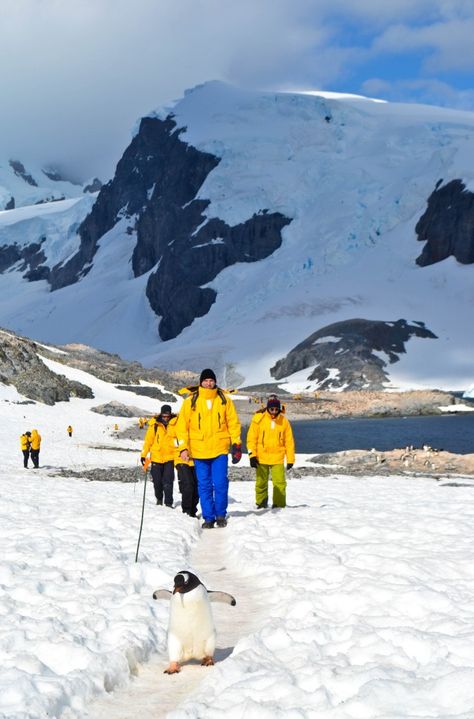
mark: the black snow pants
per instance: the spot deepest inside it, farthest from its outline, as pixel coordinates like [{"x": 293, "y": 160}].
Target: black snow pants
[
  {"x": 188, "y": 487},
  {"x": 26, "y": 454},
  {"x": 162, "y": 474},
  {"x": 35, "y": 453}
]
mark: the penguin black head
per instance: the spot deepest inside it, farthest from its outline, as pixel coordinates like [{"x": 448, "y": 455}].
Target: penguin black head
[{"x": 185, "y": 582}]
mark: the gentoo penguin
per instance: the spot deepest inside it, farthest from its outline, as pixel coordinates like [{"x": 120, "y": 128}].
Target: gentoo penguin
[{"x": 191, "y": 631}]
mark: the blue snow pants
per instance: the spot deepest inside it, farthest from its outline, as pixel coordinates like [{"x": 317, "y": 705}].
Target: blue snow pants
[{"x": 213, "y": 486}]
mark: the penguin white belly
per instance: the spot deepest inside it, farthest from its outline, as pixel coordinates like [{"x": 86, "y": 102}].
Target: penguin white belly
[{"x": 191, "y": 630}]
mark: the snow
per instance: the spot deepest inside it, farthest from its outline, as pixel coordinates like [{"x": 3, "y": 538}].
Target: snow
[
  {"x": 354, "y": 184},
  {"x": 469, "y": 393},
  {"x": 367, "y": 586},
  {"x": 13, "y": 184},
  {"x": 453, "y": 408}
]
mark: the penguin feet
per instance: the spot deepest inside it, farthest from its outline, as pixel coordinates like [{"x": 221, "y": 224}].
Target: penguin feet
[
  {"x": 207, "y": 662},
  {"x": 174, "y": 668}
]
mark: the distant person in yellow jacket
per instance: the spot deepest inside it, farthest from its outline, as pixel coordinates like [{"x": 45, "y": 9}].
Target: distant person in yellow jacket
[
  {"x": 25, "y": 444},
  {"x": 269, "y": 439},
  {"x": 208, "y": 428},
  {"x": 69, "y": 430},
  {"x": 159, "y": 444},
  {"x": 35, "y": 441}
]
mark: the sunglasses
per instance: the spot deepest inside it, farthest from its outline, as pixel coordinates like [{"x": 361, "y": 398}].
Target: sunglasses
[{"x": 273, "y": 409}]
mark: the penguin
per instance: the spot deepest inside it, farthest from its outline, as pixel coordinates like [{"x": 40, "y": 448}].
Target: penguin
[{"x": 191, "y": 630}]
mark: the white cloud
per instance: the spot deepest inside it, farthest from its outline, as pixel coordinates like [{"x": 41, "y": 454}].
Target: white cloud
[
  {"x": 77, "y": 75},
  {"x": 451, "y": 43},
  {"x": 429, "y": 91}
]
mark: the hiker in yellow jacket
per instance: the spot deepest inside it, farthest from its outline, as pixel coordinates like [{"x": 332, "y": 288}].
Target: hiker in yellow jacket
[
  {"x": 159, "y": 444},
  {"x": 25, "y": 445},
  {"x": 208, "y": 428},
  {"x": 35, "y": 441},
  {"x": 269, "y": 439}
]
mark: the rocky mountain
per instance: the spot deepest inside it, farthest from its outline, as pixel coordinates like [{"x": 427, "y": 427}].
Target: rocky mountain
[
  {"x": 28, "y": 184},
  {"x": 353, "y": 354},
  {"x": 240, "y": 223},
  {"x": 23, "y": 365}
]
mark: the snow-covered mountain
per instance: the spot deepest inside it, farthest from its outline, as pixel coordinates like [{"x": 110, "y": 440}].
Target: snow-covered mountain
[
  {"x": 22, "y": 185},
  {"x": 239, "y": 225}
]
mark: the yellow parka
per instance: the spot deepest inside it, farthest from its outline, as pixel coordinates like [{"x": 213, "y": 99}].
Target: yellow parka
[
  {"x": 171, "y": 432},
  {"x": 207, "y": 424},
  {"x": 270, "y": 439},
  {"x": 24, "y": 442},
  {"x": 35, "y": 439},
  {"x": 158, "y": 442}
]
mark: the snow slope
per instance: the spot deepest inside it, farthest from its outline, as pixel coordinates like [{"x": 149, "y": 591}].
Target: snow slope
[
  {"x": 30, "y": 184},
  {"x": 368, "y": 587},
  {"x": 354, "y": 175}
]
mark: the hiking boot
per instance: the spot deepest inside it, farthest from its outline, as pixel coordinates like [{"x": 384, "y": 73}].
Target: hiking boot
[
  {"x": 159, "y": 503},
  {"x": 170, "y": 506},
  {"x": 207, "y": 525},
  {"x": 263, "y": 505},
  {"x": 221, "y": 521}
]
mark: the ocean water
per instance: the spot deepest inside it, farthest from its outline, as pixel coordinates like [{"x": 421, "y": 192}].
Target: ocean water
[{"x": 453, "y": 433}]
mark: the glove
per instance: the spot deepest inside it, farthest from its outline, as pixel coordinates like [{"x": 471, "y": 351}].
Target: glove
[
  {"x": 253, "y": 462},
  {"x": 289, "y": 465},
  {"x": 236, "y": 452},
  {"x": 143, "y": 460}
]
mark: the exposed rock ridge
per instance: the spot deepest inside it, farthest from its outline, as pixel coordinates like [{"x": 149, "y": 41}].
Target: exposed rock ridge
[
  {"x": 21, "y": 367},
  {"x": 344, "y": 354},
  {"x": 447, "y": 226},
  {"x": 155, "y": 187},
  {"x": 155, "y": 162}
]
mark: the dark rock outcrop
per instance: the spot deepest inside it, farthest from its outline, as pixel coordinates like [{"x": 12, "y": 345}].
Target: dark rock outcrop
[
  {"x": 175, "y": 291},
  {"x": 20, "y": 171},
  {"x": 447, "y": 226},
  {"x": 344, "y": 354},
  {"x": 123, "y": 374},
  {"x": 154, "y": 189},
  {"x": 21, "y": 367},
  {"x": 93, "y": 185},
  {"x": 117, "y": 409},
  {"x": 144, "y": 391},
  {"x": 31, "y": 257}
]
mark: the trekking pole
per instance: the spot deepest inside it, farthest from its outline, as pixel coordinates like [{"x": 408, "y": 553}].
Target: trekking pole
[{"x": 145, "y": 467}]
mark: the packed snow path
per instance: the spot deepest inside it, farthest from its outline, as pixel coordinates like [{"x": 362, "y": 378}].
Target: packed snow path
[{"x": 152, "y": 694}]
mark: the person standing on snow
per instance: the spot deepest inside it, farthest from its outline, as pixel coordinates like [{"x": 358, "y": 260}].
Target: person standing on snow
[
  {"x": 159, "y": 443},
  {"x": 35, "y": 441},
  {"x": 207, "y": 428},
  {"x": 25, "y": 444},
  {"x": 69, "y": 430},
  {"x": 269, "y": 439}
]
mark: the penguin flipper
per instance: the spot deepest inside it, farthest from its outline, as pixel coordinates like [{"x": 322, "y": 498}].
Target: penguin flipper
[
  {"x": 222, "y": 597},
  {"x": 162, "y": 594}
]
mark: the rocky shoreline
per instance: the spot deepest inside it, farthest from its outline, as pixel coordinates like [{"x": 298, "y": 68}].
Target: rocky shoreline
[
  {"x": 410, "y": 461},
  {"x": 367, "y": 404}
]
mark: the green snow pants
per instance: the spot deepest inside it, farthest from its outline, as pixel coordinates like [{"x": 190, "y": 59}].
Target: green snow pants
[{"x": 278, "y": 480}]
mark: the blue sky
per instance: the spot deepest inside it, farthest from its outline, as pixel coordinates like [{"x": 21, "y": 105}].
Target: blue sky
[{"x": 76, "y": 74}]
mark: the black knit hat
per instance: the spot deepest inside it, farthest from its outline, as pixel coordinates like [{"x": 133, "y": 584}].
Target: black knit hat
[
  {"x": 166, "y": 409},
  {"x": 207, "y": 374},
  {"x": 274, "y": 402}
]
